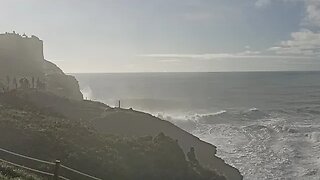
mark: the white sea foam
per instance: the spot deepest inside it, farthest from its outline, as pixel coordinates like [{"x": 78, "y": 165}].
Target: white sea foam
[
  {"x": 270, "y": 146},
  {"x": 87, "y": 93},
  {"x": 314, "y": 137},
  {"x": 265, "y": 124}
]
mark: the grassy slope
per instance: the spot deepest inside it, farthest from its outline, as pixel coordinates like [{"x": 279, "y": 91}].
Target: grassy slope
[
  {"x": 127, "y": 123},
  {"x": 124, "y": 123},
  {"x": 8, "y": 172},
  {"x": 47, "y": 135}
]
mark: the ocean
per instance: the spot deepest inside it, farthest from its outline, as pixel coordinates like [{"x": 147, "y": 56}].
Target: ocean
[{"x": 266, "y": 124}]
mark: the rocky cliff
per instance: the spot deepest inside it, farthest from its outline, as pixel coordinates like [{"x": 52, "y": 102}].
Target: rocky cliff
[{"x": 22, "y": 57}]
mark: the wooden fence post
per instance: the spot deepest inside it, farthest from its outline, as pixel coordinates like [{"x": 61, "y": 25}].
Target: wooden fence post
[{"x": 56, "y": 170}]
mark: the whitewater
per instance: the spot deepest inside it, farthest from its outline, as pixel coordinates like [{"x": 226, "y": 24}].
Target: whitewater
[{"x": 266, "y": 124}]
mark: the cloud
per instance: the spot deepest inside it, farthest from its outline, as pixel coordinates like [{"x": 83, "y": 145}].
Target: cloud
[
  {"x": 169, "y": 61},
  {"x": 312, "y": 12},
  {"x": 248, "y": 52},
  {"x": 189, "y": 56},
  {"x": 312, "y": 9},
  {"x": 262, "y": 3},
  {"x": 243, "y": 54},
  {"x": 217, "y": 56},
  {"x": 303, "y": 43},
  {"x": 198, "y": 16}
]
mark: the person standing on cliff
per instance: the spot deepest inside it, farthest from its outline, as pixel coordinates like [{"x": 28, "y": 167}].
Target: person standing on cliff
[
  {"x": 27, "y": 84},
  {"x": 38, "y": 83},
  {"x": 15, "y": 83},
  {"x": 33, "y": 83},
  {"x": 192, "y": 157},
  {"x": 21, "y": 83},
  {"x": 2, "y": 86},
  {"x": 8, "y": 83}
]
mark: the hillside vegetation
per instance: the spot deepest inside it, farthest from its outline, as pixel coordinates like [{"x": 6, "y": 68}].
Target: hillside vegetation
[
  {"x": 8, "y": 172},
  {"x": 48, "y": 135}
]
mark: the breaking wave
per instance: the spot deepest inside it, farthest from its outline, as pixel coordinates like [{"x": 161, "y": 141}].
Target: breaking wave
[
  {"x": 264, "y": 124},
  {"x": 87, "y": 93},
  {"x": 261, "y": 144}
]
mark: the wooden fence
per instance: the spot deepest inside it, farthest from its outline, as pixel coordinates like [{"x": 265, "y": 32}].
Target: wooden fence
[{"x": 56, "y": 167}]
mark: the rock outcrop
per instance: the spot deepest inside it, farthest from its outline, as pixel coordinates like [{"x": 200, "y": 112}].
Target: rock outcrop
[{"x": 22, "y": 57}]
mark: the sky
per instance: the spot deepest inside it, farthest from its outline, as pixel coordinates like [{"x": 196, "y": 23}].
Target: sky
[{"x": 95, "y": 36}]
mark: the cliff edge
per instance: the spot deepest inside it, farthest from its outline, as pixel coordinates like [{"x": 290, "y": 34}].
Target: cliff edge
[{"x": 21, "y": 57}]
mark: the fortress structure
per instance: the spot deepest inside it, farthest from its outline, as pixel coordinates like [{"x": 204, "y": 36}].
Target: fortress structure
[{"x": 22, "y": 56}]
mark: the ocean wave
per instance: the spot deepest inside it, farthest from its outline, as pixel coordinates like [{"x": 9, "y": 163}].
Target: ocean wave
[
  {"x": 87, "y": 93},
  {"x": 231, "y": 116},
  {"x": 268, "y": 140},
  {"x": 308, "y": 110},
  {"x": 314, "y": 137},
  {"x": 218, "y": 117}
]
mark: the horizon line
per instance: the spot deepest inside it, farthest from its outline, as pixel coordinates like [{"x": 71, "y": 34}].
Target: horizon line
[{"x": 140, "y": 72}]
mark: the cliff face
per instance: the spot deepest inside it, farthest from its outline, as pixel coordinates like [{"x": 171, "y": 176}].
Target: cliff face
[{"x": 22, "y": 57}]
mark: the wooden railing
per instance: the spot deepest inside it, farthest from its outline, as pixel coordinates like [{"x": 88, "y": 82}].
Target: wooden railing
[{"x": 56, "y": 166}]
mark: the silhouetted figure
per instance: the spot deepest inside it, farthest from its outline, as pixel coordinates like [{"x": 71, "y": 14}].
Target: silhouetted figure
[
  {"x": 40, "y": 85},
  {"x": 33, "y": 85},
  {"x": 15, "y": 83},
  {"x": 21, "y": 81},
  {"x": 27, "y": 83},
  {"x": 119, "y": 104},
  {"x": 24, "y": 83},
  {"x": 8, "y": 83},
  {"x": 192, "y": 157},
  {"x": 2, "y": 86}
]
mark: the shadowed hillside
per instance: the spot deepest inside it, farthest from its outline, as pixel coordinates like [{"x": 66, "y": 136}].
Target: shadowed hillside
[
  {"x": 121, "y": 122},
  {"x": 48, "y": 135}
]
